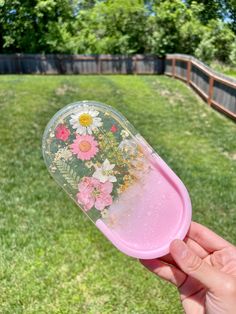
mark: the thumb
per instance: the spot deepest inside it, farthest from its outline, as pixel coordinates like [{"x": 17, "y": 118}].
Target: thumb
[{"x": 195, "y": 267}]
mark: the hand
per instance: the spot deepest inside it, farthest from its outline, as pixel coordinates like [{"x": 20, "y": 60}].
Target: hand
[{"x": 203, "y": 268}]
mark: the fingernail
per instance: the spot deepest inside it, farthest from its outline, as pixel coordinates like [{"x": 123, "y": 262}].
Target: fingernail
[{"x": 179, "y": 249}]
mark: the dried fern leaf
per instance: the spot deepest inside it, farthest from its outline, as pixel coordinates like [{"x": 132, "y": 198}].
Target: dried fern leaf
[{"x": 68, "y": 173}]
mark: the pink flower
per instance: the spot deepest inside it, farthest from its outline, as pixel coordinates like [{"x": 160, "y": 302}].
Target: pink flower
[
  {"x": 84, "y": 146},
  {"x": 94, "y": 193},
  {"x": 113, "y": 129},
  {"x": 62, "y": 133}
]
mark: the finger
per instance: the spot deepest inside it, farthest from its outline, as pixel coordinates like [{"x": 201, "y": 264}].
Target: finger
[
  {"x": 194, "y": 246},
  {"x": 194, "y": 266},
  {"x": 206, "y": 238},
  {"x": 165, "y": 271}
]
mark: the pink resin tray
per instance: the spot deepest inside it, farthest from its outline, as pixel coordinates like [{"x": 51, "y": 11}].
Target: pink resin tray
[{"x": 116, "y": 178}]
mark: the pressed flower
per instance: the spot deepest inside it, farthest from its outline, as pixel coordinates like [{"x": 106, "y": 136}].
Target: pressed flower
[
  {"x": 123, "y": 187},
  {"x": 127, "y": 182},
  {"x": 124, "y": 133},
  {"x": 85, "y": 120},
  {"x": 138, "y": 167},
  {"x": 63, "y": 153},
  {"x": 53, "y": 168},
  {"x": 128, "y": 147},
  {"x": 105, "y": 172},
  {"x": 105, "y": 213},
  {"x": 85, "y": 147},
  {"x": 89, "y": 164},
  {"x": 113, "y": 129},
  {"x": 94, "y": 193},
  {"x": 62, "y": 133}
]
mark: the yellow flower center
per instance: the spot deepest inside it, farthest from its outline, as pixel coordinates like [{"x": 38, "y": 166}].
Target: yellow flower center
[
  {"x": 84, "y": 146},
  {"x": 106, "y": 172},
  {"x": 85, "y": 119},
  {"x": 96, "y": 192}
]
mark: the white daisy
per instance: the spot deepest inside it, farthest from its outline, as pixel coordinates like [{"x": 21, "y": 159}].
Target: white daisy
[
  {"x": 85, "y": 120},
  {"x": 105, "y": 172}
]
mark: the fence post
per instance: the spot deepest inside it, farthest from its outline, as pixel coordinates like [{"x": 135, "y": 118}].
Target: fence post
[
  {"x": 99, "y": 65},
  {"x": 135, "y": 64},
  {"x": 210, "y": 91},
  {"x": 173, "y": 67},
  {"x": 17, "y": 64},
  {"x": 189, "y": 68},
  {"x": 59, "y": 67}
]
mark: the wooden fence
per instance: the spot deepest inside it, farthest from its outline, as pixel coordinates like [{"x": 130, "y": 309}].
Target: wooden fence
[
  {"x": 80, "y": 64},
  {"x": 217, "y": 90}
]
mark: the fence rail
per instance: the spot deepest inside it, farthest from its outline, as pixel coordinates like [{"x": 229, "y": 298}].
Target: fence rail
[
  {"x": 80, "y": 64},
  {"x": 217, "y": 90}
]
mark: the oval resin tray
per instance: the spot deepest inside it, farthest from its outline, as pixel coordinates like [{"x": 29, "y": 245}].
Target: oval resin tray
[{"x": 116, "y": 178}]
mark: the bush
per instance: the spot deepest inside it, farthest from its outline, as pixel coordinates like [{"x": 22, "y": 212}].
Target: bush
[
  {"x": 232, "y": 56},
  {"x": 206, "y": 50},
  {"x": 216, "y": 42}
]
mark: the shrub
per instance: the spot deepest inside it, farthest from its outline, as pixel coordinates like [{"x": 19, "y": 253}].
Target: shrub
[
  {"x": 216, "y": 42},
  {"x": 232, "y": 56}
]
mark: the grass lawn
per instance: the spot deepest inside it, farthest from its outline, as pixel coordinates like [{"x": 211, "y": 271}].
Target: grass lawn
[{"x": 52, "y": 258}]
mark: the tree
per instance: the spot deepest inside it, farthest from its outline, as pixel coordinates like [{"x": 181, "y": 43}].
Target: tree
[
  {"x": 230, "y": 6},
  {"x": 26, "y": 24},
  {"x": 225, "y": 10},
  {"x": 213, "y": 9},
  {"x": 175, "y": 27},
  {"x": 117, "y": 27},
  {"x": 217, "y": 42},
  {"x": 202, "y": 28}
]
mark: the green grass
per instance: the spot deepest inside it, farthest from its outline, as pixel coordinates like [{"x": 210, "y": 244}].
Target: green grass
[{"x": 52, "y": 259}]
